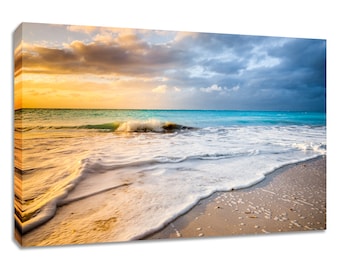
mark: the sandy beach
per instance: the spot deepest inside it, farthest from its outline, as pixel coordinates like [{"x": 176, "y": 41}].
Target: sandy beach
[{"x": 292, "y": 198}]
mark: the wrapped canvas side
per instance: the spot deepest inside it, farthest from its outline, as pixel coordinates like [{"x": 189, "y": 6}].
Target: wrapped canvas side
[{"x": 18, "y": 84}]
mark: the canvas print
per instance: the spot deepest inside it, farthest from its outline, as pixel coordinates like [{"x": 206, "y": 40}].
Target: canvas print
[{"x": 135, "y": 134}]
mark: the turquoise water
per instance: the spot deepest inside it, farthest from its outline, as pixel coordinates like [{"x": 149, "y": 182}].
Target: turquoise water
[
  {"x": 156, "y": 164},
  {"x": 41, "y": 118}
]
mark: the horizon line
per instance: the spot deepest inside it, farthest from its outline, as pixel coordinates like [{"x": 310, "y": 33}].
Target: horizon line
[{"x": 145, "y": 109}]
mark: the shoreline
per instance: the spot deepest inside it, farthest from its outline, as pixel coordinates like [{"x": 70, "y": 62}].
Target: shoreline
[
  {"x": 262, "y": 208},
  {"x": 291, "y": 198}
]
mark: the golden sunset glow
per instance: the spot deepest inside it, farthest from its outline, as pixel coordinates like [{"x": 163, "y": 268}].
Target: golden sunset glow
[{"x": 110, "y": 68}]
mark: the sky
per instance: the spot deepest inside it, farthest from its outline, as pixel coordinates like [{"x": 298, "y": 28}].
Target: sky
[{"x": 74, "y": 66}]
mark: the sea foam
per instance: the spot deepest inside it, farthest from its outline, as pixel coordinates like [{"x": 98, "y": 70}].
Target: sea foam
[{"x": 137, "y": 174}]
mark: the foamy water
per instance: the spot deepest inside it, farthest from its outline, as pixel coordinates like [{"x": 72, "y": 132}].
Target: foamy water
[{"x": 156, "y": 164}]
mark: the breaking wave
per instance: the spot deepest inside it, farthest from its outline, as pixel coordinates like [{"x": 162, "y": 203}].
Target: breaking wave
[{"x": 150, "y": 125}]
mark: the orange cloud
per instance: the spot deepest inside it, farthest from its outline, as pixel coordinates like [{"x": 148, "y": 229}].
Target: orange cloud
[
  {"x": 18, "y": 60},
  {"x": 125, "y": 55},
  {"x": 161, "y": 89},
  {"x": 116, "y": 69}
]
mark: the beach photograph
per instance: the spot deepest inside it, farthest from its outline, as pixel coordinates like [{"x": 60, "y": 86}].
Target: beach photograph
[{"x": 126, "y": 134}]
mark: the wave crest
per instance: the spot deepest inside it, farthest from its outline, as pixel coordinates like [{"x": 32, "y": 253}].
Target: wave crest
[{"x": 150, "y": 125}]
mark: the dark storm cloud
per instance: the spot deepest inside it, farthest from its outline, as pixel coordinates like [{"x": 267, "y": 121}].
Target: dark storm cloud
[
  {"x": 305, "y": 57},
  {"x": 239, "y": 44},
  {"x": 301, "y": 74},
  {"x": 272, "y": 73},
  {"x": 225, "y": 67}
]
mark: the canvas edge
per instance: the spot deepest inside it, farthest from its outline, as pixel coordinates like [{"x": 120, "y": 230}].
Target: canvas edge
[{"x": 17, "y": 105}]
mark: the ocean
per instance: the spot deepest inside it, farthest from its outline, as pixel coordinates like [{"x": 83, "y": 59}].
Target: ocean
[{"x": 134, "y": 171}]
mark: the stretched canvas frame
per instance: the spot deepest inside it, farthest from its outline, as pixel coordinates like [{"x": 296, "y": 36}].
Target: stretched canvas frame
[{"x": 135, "y": 134}]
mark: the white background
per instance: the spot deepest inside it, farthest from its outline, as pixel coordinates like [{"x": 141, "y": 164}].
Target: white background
[{"x": 309, "y": 19}]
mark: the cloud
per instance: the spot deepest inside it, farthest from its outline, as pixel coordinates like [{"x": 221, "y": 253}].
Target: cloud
[
  {"x": 82, "y": 28},
  {"x": 305, "y": 59},
  {"x": 18, "y": 60},
  {"x": 264, "y": 61},
  {"x": 124, "y": 55},
  {"x": 212, "y": 88},
  {"x": 225, "y": 67},
  {"x": 161, "y": 89},
  {"x": 203, "y": 69},
  {"x": 217, "y": 88}
]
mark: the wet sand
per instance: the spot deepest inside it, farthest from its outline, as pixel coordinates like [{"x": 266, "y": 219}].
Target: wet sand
[{"x": 290, "y": 199}]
